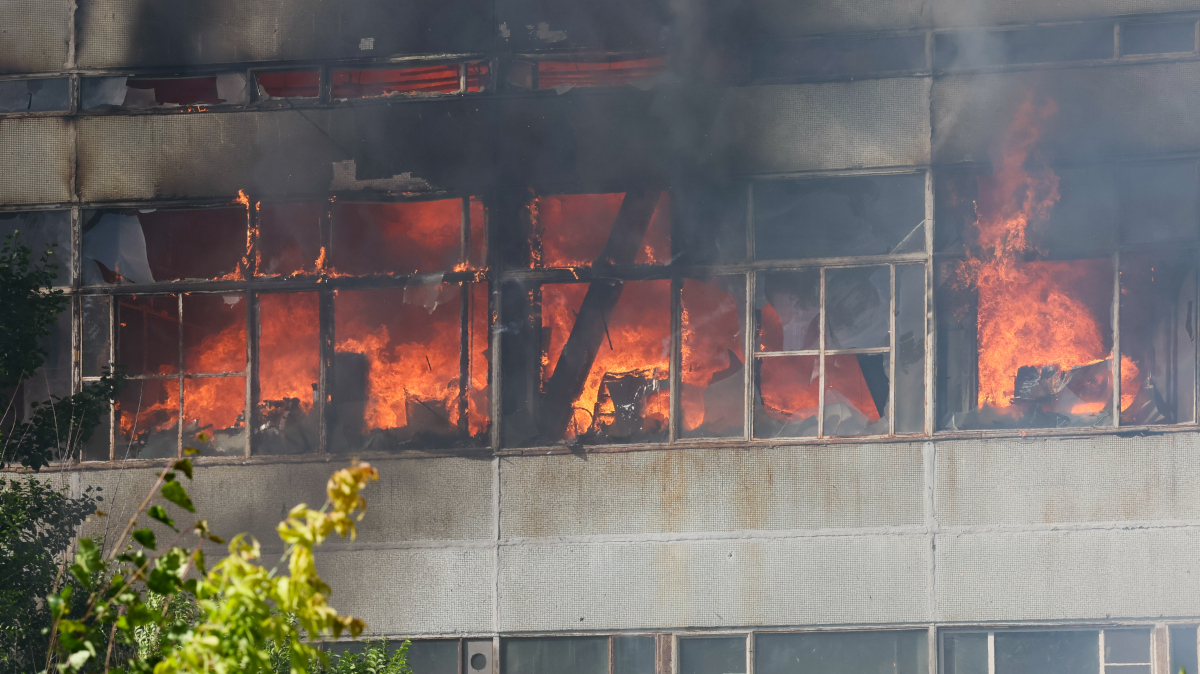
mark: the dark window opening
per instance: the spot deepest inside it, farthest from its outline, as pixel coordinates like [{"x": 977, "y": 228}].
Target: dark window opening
[
  {"x": 288, "y": 84},
  {"x": 840, "y": 56},
  {"x": 1158, "y": 38},
  {"x": 289, "y": 239},
  {"x": 163, "y": 245},
  {"x": 36, "y": 95}
]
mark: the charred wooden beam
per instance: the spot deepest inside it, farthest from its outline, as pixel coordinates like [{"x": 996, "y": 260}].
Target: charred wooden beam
[{"x": 591, "y": 324}]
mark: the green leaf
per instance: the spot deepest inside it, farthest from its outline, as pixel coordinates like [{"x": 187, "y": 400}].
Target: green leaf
[
  {"x": 87, "y": 562},
  {"x": 184, "y": 466},
  {"x": 145, "y": 537},
  {"x": 159, "y": 513},
  {"x": 175, "y": 493}
]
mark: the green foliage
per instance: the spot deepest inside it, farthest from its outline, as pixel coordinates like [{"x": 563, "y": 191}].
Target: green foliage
[
  {"x": 375, "y": 658},
  {"x": 236, "y": 617},
  {"x": 29, "y": 306},
  {"x": 37, "y": 523}
]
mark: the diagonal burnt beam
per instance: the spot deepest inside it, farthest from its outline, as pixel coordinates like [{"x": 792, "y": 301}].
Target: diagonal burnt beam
[{"x": 591, "y": 323}]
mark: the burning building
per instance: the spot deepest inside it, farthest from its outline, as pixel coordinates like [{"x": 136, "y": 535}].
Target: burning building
[{"x": 688, "y": 338}]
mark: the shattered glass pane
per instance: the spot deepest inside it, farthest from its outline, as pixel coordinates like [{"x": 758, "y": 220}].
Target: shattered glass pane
[
  {"x": 173, "y": 91},
  {"x": 289, "y": 239},
  {"x": 438, "y": 79},
  {"x": 147, "y": 419},
  {"x": 1062, "y": 652},
  {"x": 148, "y": 334},
  {"x": 576, "y": 230},
  {"x": 789, "y": 311},
  {"x": 555, "y": 655},
  {"x": 35, "y": 95},
  {"x": 891, "y": 651},
  {"x": 214, "y": 333},
  {"x": 402, "y": 238},
  {"x": 217, "y": 406},
  {"x": 605, "y": 362},
  {"x": 289, "y": 83},
  {"x": 288, "y": 373},
  {"x": 1158, "y": 337},
  {"x": 856, "y": 394},
  {"x": 834, "y": 217},
  {"x": 712, "y": 655},
  {"x": 713, "y": 373},
  {"x": 42, "y": 231},
  {"x": 788, "y": 390},
  {"x": 857, "y": 302},
  {"x": 195, "y": 244},
  {"x": 399, "y": 368}
]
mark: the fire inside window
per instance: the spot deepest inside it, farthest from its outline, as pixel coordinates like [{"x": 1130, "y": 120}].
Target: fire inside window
[{"x": 787, "y": 308}]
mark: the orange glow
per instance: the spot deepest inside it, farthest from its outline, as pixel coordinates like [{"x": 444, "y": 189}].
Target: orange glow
[
  {"x": 637, "y": 343},
  {"x": 438, "y": 79},
  {"x": 711, "y": 332},
  {"x": 402, "y": 238},
  {"x": 288, "y": 346},
  {"x": 411, "y": 341},
  {"x": 573, "y": 229},
  {"x": 214, "y": 402},
  {"x": 1034, "y": 313}
]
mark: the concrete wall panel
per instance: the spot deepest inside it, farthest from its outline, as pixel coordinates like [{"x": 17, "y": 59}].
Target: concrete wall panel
[
  {"x": 1100, "y": 111},
  {"x": 712, "y": 490},
  {"x": 35, "y": 35},
  {"x": 421, "y": 592},
  {"x": 840, "y": 125},
  {"x": 1042, "y": 481},
  {"x": 1067, "y": 575},
  {"x": 954, "y": 13},
  {"x": 737, "y": 582},
  {"x": 36, "y": 158},
  {"x": 203, "y": 154}
]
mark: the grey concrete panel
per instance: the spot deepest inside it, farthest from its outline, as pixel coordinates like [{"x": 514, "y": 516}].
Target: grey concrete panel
[
  {"x": 737, "y": 582},
  {"x": 1100, "y": 111},
  {"x": 204, "y": 154},
  {"x": 35, "y": 161},
  {"x": 840, "y": 125},
  {"x": 35, "y": 35},
  {"x": 421, "y": 499},
  {"x": 776, "y": 488},
  {"x": 784, "y": 19},
  {"x": 954, "y": 13},
  {"x": 1046, "y": 480},
  {"x": 1067, "y": 575},
  {"x": 414, "y": 593}
]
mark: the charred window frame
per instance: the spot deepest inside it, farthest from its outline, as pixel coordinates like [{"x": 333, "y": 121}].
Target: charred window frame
[
  {"x": 1107, "y": 263},
  {"x": 285, "y": 284}
]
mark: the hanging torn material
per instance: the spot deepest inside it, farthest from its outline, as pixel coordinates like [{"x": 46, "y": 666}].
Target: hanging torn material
[{"x": 118, "y": 244}]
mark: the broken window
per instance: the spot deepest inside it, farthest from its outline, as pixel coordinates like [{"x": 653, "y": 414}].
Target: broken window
[
  {"x": 173, "y": 92},
  {"x": 289, "y": 239},
  {"x": 147, "y": 246},
  {"x": 712, "y": 367},
  {"x": 42, "y": 231},
  {"x": 288, "y": 398},
  {"x": 563, "y": 74},
  {"x": 288, "y": 83},
  {"x": 411, "y": 368},
  {"x": 407, "y": 237},
  {"x": 185, "y": 354},
  {"x": 582, "y": 230},
  {"x": 450, "y": 78},
  {"x": 1027, "y": 297}
]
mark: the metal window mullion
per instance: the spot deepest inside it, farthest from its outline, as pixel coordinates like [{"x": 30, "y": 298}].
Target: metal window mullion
[
  {"x": 991, "y": 653},
  {"x": 464, "y": 358},
  {"x": 1116, "y": 40},
  {"x": 494, "y": 320},
  {"x": 750, "y": 653},
  {"x": 462, "y": 77},
  {"x": 892, "y": 352},
  {"x": 252, "y": 388},
  {"x": 112, "y": 360},
  {"x": 821, "y": 362},
  {"x": 611, "y": 655},
  {"x": 930, "y": 321},
  {"x": 326, "y": 373},
  {"x": 675, "y": 367},
  {"x": 1100, "y": 643},
  {"x": 1116, "y": 345},
  {"x": 180, "y": 375},
  {"x": 748, "y": 360}
]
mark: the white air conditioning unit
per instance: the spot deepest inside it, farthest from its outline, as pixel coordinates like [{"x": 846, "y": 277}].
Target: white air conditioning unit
[{"x": 479, "y": 658}]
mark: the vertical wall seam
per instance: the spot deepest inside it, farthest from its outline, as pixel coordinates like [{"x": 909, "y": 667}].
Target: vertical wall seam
[
  {"x": 929, "y": 454},
  {"x": 496, "y": 544}
]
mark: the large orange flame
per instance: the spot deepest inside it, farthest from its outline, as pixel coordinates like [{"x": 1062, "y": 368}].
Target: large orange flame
[{"x": 1032, "y": 313}]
